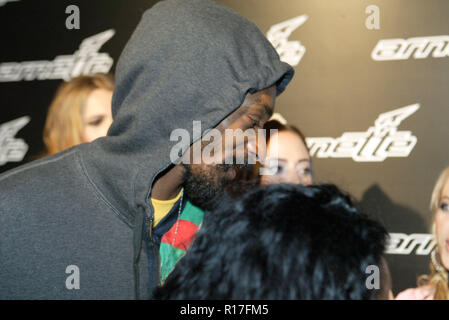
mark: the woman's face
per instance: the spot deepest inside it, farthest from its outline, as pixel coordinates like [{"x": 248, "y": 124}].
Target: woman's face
[
  {"x": 442, "y": 225},
  {"x": 293, "y": 160},
  {"x": 97, "y": 115}
]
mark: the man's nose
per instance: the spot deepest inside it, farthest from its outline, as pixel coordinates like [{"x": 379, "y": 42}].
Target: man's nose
[{"x": 256, "y": 146}]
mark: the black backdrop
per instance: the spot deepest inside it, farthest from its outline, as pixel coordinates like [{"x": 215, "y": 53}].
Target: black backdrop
[{"x": 347, "y": 77}]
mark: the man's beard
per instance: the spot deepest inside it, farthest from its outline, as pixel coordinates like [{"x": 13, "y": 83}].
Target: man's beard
[{"x": 204, "y": 186}]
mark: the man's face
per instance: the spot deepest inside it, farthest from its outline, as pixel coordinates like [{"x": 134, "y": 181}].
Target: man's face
[{"x": 205, "y": 180}]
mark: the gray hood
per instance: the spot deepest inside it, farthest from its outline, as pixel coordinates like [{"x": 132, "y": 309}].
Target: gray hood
[{"x": 187, "y": 60}]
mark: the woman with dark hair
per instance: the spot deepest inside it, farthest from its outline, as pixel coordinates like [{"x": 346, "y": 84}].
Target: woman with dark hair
[{"x": 287, "y": 158}]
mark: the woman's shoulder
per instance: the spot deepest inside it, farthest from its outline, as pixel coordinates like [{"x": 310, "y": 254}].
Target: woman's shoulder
[{"x": 419, "y": 293}]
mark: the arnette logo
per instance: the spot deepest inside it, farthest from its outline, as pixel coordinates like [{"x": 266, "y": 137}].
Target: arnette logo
[
  {"x": 418, "y": 48},
  {"x": 12, "y": 149},
  {"x": 376, "y": 144},
  {"x": 401, "y": 243},
  {"x": 87, "y": 60},
  {"x": 290, "y": 52}
]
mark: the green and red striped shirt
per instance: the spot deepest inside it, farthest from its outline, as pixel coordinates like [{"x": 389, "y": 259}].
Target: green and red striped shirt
[{"x": 175, "y": 242}]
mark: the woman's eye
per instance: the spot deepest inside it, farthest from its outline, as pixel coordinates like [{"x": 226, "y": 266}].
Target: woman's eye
[
  {"x": 274, "y": 167},
  {"x": 307, "y": 171},
  {"x": 95, "y": 122},
  {"x": 278, "y": 170},
  {"x": 275, "y": 170},
  {"x": 444, "y": 206}
]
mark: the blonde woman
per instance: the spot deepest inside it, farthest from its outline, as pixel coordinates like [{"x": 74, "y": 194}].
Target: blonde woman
[
  {"x": 435, "y": 286},
  {"x": 80, "y": 112}
]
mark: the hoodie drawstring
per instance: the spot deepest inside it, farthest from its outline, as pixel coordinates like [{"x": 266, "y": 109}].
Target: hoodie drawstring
[{"x": 137, "y": 246}]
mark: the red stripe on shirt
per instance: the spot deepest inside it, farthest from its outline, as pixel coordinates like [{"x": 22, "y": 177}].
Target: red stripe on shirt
[{"x": 185, "y": 234}]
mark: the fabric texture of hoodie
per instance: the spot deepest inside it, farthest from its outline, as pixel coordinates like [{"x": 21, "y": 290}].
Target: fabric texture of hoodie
[{"x": 84, "y": 214}]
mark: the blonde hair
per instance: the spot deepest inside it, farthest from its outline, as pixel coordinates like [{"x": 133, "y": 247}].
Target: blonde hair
[
  {"x": 438, "y": 277},
  {"x": 63, "y": 126}
]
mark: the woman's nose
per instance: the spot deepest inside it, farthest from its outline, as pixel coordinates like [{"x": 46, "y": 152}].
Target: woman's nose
[
  {"x": 305, "y": 180},
  {"x": 292, "y": 177}
]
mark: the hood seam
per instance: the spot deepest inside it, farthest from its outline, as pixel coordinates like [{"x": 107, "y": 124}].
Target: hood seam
[{"x": 100, "y": 195}]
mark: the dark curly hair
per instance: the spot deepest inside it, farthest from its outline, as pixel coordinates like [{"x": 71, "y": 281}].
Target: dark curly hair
[{"x": 280, "y": 242}]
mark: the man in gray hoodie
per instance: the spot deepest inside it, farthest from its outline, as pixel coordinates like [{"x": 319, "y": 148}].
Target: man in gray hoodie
[{"x": 79, "y": 224}]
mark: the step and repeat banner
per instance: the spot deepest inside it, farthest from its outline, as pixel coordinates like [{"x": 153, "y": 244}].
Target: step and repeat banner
[{"x": 370, "y": 92}]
